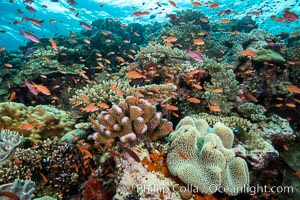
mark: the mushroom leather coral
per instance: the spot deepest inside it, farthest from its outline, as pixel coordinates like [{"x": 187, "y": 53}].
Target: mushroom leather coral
[
  {"x": 131, "y": 119},
  {"x": 200, "y": 156}
]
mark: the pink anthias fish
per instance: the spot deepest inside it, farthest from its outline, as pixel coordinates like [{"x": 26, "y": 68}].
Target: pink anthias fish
[
  {"x": 195, "y": 56},
  {"x": 86, "y": 26},
  {"x": 290, "y": 16},
  {"x": 36, "y": 88},
  {"x": 30, "y": 36}
]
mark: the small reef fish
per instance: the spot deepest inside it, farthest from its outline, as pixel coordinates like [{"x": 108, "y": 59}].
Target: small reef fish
[
  {"x": 90, "y": 108},
  {"x": 214, "y": 108},
  {"x": 170, "y": 39},
  {"x": 86, "y": 26},
  {"x": 35, "y": 22},
  {"x": 182, "y": 155},
  {"x": 30, "y": 36},
  {"x": 53, "y": 44},
  {"x": 198, "y": 41},
  {"x": 134, "y": 75},
  {"x": 30, "y": 9},
  {"x": 196, "y": 3},
  {"x": 173, "y": 3},
  {"x": 195, "y": 56},
  {"x": 215, "y": 5},
  {"x": 36, "y": 88},
  {"x": 290, "y": 16},
  {"x": 130, "y": 152},
  {"x": 28, "y": 127},
  {"x": 294, "y": 89},
  {"x": 139, "y": 14},
  {"x": 193, "y": 100},
  {"x": 249, "y": 52},
  {"x": 12, "y": 97}
]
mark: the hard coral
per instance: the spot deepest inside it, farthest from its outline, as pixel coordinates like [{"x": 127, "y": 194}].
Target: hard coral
[
  {"x": 200, "y": 156},
  {"x": 37, "y": 122},
  {"x": 131, "y": 119},
  {"x": 9, "y": 140}
]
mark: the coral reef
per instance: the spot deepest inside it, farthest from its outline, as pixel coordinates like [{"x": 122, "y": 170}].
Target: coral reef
[
  {"x": 23, "y": 164},
  {"x": 135, "y": 180},
  {"x": 131, "y": 119},
  {"x": 252, "y": 112},
  {"x": 9, "y": 141},
  {"x": 49, "y": 61},
  {"x": 102, "y": 94},
  {"x": 162, "y": 54},
  {"x": 36, "y": 122},
  {"x": 200, "y": 156}
]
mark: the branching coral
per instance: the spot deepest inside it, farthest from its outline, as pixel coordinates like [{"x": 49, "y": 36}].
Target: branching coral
[
  {"x": 24, "y": 189},
  {"x": 201, "y": 157},
  {"x": 131, "y": 119},
  {"x": 9, "y": 141},
  {"x": 36, "y": 122},
  {"x": 24, "y": 164},
  {"x": 156, "y": 93},
  {"x": 101, "y": 94},
  {"x": 162, "y": 54},
  {"x": 252, "y": 111},
  {"x": 48, "y": 61}
]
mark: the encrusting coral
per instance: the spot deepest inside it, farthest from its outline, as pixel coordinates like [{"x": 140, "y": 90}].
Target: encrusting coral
[
  {"x": 9, "y": 141},
  {"x": 37, "y": 122},
  {"x": 131, "y": 119},
  {"x": 200, "y": 156}
]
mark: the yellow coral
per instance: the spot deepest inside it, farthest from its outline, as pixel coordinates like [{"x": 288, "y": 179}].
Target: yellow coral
[{"x": 199, "y": 158}]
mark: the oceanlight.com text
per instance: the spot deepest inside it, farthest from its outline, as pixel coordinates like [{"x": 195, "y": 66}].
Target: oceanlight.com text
[{"x": 253, "y": 189}]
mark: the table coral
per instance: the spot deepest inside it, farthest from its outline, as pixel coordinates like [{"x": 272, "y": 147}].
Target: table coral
[
  {"x": 131, "y": 119},
  {"x": 200, "y": 156},
  {"x": 37, "y": 122}
]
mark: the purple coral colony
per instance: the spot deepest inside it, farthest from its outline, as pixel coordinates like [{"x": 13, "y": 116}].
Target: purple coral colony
[{"x": 189, "y": 108}]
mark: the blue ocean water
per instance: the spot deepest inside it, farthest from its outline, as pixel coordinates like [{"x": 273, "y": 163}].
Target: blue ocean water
[{"x": 67, "y": 15}]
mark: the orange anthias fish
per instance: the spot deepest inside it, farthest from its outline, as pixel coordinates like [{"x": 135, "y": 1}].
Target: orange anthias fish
[
  {"x": 196, "y": 3},
  {"x": 294, "y": 89},
  {"x": 28, "y": 127},
  {"x": 198, "y": 41},
  {"x": 249, "y": 52},
  {"x": 53, "y": 43},
  {"x": 134, "y": 75},
  {"x": 193, "y": 100},
  {"x": 43, "y": 89},
  {"x": 12, "y": 97},
  {"x": 214, "y": 108},
  {"x": 215, "y": 5},
  {"x": 90, "y": 108},
  {"x": 171, "y": 107}
]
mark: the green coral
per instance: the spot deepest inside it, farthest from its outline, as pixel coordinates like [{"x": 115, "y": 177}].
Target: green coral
[
  {"x": 267, "y": 55},
  {"x": 38, "y": 122},
  {"x": 162, "y": 54},
  {"x": 200, "y": 156},
  {"x": 230, "y": 121},
  {"x": 107, "y": 91},
  {"x": 39, "y": 65},
  {"x": 252, "y": 112},
  {"x": 221, "y": 78}
]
